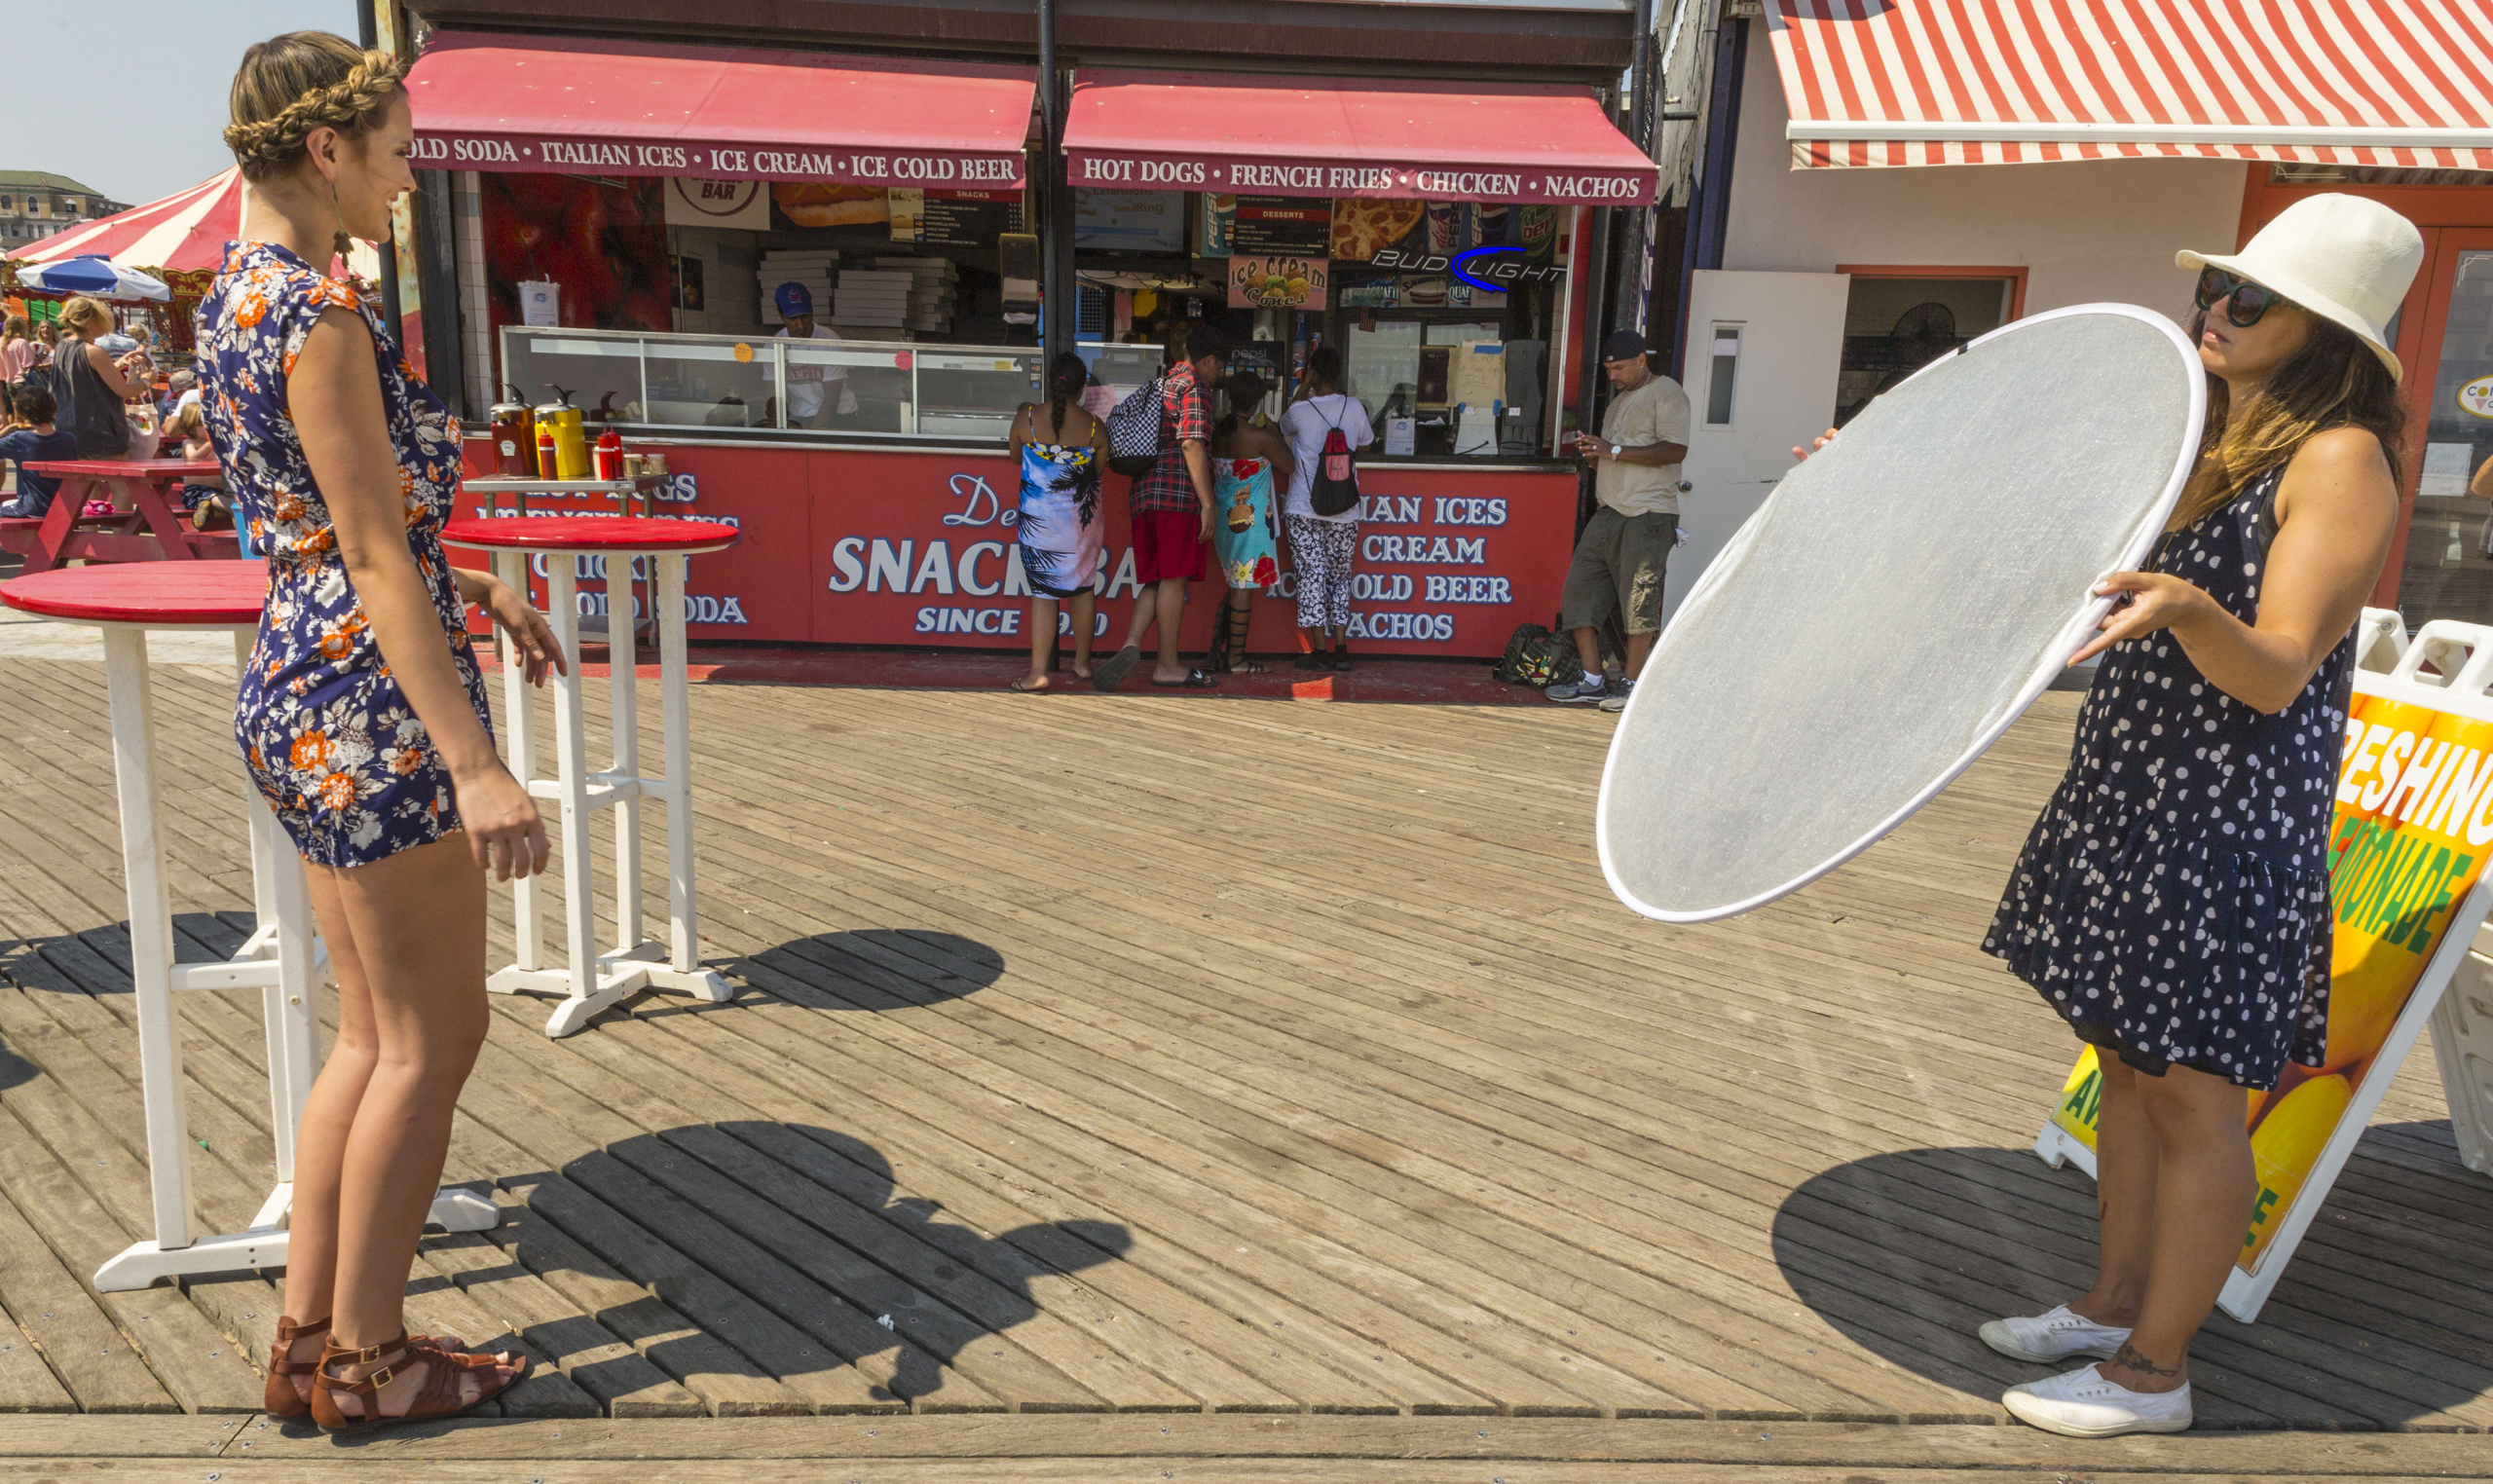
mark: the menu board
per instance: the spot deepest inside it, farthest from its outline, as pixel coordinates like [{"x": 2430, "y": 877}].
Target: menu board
[
  {"x": 1131, "y": 221},
  {"x": 953, "y": 218},
  {"x": 1283, "y": 226},
  {"x": 1424, "y": 236}
]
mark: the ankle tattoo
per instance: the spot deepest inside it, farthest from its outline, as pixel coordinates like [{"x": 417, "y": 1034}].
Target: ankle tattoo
[{"x": 2131, "y": 1356}]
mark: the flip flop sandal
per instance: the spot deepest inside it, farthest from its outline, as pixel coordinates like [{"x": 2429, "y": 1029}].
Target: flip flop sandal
[
  {"x": 1022, "y": 686},
  {"x": 1195, "y": 680},
  {"x": 1111, "y": 672}
]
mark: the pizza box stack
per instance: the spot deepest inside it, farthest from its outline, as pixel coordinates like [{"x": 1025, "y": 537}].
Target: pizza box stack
[
  {"x": 933, "y": 291},
  {"x": 871, "y": 299},
  {"x": 811, "y": 269}
]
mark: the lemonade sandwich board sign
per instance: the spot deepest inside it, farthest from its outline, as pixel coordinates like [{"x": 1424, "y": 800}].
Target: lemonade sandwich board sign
[{"x": 2407, "y": 887}]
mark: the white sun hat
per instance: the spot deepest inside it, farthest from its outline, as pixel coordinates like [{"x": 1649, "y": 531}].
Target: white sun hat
[{"x": 2342, "y": 257}]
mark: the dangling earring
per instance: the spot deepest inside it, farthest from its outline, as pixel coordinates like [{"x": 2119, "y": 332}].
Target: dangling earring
[{"x": 342, "y": 242}]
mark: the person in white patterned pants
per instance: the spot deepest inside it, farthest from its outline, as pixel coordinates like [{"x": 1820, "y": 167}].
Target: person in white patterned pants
[{"x": 1323, "y": 548}]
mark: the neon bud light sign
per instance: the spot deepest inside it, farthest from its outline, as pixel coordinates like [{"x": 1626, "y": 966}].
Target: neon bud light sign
[{"x": 1461, "y": 267}]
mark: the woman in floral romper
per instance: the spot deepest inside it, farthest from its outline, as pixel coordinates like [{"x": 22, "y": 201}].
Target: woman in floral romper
[{"x": 361, "y": 715}]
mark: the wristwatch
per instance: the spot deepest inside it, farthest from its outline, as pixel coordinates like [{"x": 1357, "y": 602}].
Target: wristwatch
[{"x": 1613, "y": 451}]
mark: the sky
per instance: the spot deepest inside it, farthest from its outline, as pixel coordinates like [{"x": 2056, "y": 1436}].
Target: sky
[{"x": 158, "y": 126}]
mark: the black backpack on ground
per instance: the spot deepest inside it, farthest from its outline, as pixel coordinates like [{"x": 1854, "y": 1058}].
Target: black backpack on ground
[{"x": 1537, "y": 657}]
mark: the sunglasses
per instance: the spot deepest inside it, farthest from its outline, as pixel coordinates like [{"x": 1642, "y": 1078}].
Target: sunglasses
[{"x": 2247, "y": 302}]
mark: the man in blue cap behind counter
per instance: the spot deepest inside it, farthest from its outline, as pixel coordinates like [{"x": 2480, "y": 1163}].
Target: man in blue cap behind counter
[{"x": 807, "y": 384}]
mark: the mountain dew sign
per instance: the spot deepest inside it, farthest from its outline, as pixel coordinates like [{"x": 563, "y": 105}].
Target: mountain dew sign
[{"x": 2413, "y": 831}]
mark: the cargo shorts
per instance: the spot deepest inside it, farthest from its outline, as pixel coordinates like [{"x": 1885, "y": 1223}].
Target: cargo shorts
[{"x": 1619, "y": 564}]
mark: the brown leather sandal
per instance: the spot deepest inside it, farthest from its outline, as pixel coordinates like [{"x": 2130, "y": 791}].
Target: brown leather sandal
[
  {"x": 439, "y": 1396},
  {"x": 279, "y": 1399}
]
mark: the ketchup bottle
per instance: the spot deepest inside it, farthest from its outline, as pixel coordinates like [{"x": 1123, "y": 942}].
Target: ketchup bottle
[
  {"x": 547, "y": 463},
  {"x": 610, "y": 455}
]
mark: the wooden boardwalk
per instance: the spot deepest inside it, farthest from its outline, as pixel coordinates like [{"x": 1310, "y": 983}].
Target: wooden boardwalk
[{"x": 1172, "y": 1057}]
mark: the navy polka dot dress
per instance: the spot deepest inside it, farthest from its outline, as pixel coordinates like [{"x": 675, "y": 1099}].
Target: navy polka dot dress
[{"x": 2172, "y": 901}]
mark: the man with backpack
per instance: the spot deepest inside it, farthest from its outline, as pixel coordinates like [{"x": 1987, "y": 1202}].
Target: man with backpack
[
  {"x": 1619, "y": 558},
  {"x": 1172, "y": 502}
]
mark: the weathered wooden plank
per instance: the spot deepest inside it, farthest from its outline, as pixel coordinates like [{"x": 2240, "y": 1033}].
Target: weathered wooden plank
[
  {"x": 1103, "y": 1437},
  {"x": 728, "y": 1383},
  {"x": 803, "y": 1364},
  {"x": 201, "y": 1368},
  {"x": 622, "y": 1381},
  {"x": 59, "y": 1320}
]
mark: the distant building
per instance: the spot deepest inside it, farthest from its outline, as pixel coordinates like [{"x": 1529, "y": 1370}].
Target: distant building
[{"x": 36, "y": 203}]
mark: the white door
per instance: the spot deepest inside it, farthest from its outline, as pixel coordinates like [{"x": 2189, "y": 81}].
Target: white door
[{"x": 1761, "y": 358}]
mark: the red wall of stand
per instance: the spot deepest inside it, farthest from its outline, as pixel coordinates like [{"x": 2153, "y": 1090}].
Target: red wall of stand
[{"x": 874, "y": 547}]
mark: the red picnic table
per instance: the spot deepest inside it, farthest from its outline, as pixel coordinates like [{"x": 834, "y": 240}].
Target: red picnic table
[{"x": 157, "y": 528}]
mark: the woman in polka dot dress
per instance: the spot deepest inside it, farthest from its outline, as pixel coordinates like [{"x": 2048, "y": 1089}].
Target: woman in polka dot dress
[{"x": 2171, "y": 903}]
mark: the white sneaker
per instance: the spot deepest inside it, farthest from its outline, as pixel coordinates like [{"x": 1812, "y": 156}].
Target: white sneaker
[
  {"x": 2048, "y": 1339},
  {"x": 2083, "y": 1404}
]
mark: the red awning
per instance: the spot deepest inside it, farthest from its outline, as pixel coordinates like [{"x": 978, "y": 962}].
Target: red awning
[
  {"x": 1967, "y": 82},
  {"x": 1286, "y": 136},
  {"x": 489, "y": 102}
]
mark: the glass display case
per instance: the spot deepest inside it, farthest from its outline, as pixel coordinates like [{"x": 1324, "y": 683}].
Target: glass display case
[{"x": 658, "y": 382}]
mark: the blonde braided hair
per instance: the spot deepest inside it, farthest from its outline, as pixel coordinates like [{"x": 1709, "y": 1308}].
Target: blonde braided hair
[{"x": 291, "y": 84}]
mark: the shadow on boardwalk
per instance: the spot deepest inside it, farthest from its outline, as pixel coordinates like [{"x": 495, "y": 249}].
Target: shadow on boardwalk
[
  {"x": 1908, "y": 1253},
  {"x": 802, "y": 1221}
]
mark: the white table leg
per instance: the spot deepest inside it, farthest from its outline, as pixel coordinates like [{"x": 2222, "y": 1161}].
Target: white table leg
[
  {"x": 151, "y": 935},
  {"x": 675, "y": 711},
  {"x": 571, "y": 767},
  {"x": 519, "y": 735},
  {"x": 683, "y": 969},
  {"x": 622, "y": 690}
]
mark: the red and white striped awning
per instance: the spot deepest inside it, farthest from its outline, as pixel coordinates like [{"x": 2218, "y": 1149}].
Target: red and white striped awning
[
  {"x": 185, "y": 231},
  {"x": 2401, "y": 82}
]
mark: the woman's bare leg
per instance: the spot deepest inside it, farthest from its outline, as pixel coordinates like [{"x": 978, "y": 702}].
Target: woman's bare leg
[
  {"x": 417, "y": 923},
  {"x": 1042, "y": 644},
  {"x": 2204, "y": 1188},
  {"x": 319, "y": 1144},
  {"x": 2126, "y": 1169},
  {"x": 1085, "y": 605}
]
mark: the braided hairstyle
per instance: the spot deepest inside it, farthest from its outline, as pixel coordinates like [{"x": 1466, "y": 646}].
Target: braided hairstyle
[{"x": 293, "y": 84}]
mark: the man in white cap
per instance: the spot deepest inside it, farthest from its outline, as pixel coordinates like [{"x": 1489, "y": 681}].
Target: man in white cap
[
  {"x": 1619, "y": 558},
  {"x": 808, "y": 384}
]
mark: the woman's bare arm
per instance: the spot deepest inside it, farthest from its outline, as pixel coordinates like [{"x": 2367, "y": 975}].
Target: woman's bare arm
[
  {"x": 114, "y": 382},
  {"x": 334, "y": 398},
  {"x": 2336, "y": 510},
  {"x": 1277, "y": 449}
]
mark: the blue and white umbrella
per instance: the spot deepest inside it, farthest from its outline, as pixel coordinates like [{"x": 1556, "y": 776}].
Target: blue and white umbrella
[{"x": 98, "y": 278}]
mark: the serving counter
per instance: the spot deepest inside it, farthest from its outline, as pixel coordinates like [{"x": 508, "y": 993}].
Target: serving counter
[{"x": 893, "y": 524}]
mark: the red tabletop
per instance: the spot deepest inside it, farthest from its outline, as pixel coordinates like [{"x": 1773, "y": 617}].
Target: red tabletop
[
  {"x": 589, "y": 533},
  {"x": 161, "y": 595},
  {"x": 127, "y": 468}
]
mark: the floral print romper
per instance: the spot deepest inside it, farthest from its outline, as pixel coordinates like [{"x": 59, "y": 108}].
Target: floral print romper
[{"x": 326, "y": 732}]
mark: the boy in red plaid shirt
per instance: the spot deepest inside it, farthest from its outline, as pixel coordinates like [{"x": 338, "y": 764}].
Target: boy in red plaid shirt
[{"x": 1173, "y": 510}]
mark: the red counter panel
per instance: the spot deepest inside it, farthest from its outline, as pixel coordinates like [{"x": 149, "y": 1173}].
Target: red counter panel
[{"x": 850, "y": 546}]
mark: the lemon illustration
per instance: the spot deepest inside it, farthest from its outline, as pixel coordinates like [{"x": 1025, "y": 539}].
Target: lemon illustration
[{"x": 2286, "y": 1146}]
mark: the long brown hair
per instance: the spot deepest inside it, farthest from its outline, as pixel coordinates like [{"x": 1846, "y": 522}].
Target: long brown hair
[{"x": 2335, "y": 380}]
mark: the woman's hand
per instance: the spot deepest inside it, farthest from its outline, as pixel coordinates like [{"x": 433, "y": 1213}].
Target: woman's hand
[
  {"x": 2157, "y": 601},
  {"x": 1799, "y": 453},
  {"x": 505, "y": 833},
  {"x": 539, "y": 649}
]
